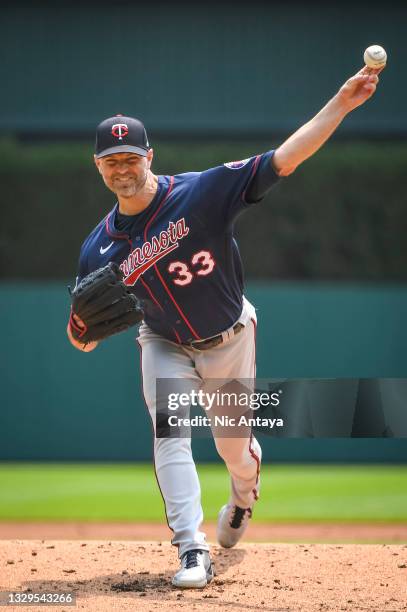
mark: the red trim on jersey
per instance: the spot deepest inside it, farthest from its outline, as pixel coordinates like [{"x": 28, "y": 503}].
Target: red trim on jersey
[
  {"x": 197, "y": 337},
  {"x": 143, "y": 282},
  {"x": 126, "y": 237},
  {"x": 177, "y": 335},
  {"x": 176, "y": 304},
  {"x": 147, "y": 288},
  {"x": 112, "y": 234},
  {"x": 132, "y": 278},
  {"x": 151, "y": 219},
  {"x": 255, "y": 164}
]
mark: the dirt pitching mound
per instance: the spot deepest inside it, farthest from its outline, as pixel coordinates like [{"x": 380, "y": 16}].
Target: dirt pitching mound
[{"x": 124, "y": 575}]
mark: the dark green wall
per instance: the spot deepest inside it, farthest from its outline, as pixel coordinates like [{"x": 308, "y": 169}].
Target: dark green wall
[
  {"x": 59, "y": 404},
  {"x": 341, "y": 216},
  {"x": 251, "y": 67}
]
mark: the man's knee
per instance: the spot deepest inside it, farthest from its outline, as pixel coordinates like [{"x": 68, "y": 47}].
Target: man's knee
[{"x": 234, "y": 450}]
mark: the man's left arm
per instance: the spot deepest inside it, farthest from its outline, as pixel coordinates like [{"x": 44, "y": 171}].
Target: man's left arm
[{"x": 312, "y": 135}]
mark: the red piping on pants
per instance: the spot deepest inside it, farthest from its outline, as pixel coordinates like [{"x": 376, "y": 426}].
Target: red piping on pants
[{"x": 253, "y": 454}]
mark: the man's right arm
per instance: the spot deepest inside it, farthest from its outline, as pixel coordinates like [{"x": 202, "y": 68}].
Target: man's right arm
[
  {"x": 82, "y": 272},
  {"x": 86, "y": 348},
  {"x": 312, "y": 135}
]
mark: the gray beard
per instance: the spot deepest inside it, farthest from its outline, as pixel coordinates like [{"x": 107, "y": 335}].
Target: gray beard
[{"x": 135, "y": 188}]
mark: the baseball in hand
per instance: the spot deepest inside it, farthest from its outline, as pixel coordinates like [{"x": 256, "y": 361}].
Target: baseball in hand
[{"x": 375, "y": 56}]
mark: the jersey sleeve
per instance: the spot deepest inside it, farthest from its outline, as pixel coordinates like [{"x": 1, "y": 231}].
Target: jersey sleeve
[
  {"x": 224, "y": 188},
  {"x": 83, "y": 268}
]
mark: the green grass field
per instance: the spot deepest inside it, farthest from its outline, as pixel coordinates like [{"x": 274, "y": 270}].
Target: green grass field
[{"x": 128, "y": 492}]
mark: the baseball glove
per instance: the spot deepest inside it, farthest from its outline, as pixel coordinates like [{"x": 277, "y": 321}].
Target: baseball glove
[{"x": 104, "y": 304}]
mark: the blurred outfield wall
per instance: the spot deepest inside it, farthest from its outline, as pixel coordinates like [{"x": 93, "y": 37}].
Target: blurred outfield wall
[
  {"x": 59, "y": 404},
  {"x": 255, "y": 68},
  {"x": 340, "y": 216}
]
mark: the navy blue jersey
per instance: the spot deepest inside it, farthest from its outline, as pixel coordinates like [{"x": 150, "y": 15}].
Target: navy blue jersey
[{"x": 179, "y": 255}]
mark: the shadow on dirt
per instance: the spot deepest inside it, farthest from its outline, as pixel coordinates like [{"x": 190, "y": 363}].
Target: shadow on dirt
[
  {"x": 157, "y": 586},
  {"x": 224, "y": 558}
]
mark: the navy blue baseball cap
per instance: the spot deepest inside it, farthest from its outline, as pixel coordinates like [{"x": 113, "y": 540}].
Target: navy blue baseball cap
[{"x": 120, "y": 134}]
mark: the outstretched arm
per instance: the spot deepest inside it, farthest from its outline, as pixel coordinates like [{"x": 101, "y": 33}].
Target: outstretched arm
[{"x": 312, "y": 135}]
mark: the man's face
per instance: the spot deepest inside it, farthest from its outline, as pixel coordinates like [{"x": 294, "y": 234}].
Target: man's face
[{"x": 125, "y": 173}]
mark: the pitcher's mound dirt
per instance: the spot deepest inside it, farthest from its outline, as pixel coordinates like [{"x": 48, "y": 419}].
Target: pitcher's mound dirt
[{"x": 122, "y": 575}]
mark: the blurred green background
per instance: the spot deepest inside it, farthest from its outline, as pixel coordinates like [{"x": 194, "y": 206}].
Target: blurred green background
[
  {"x": 325, "y": 254},
  {"x": 128, "y": 493}
]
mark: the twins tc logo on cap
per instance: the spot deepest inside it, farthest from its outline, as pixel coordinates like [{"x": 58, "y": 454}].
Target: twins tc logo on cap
[
  {"x": 119, "y": 130},
  {"x": 121, "y": 134}
]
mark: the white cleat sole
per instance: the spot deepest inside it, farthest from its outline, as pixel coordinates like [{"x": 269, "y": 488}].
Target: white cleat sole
[
  {"x": 193, "y": 584},
  {"x": 189, "y": 585},
  {"x": 195, "y": 572}
]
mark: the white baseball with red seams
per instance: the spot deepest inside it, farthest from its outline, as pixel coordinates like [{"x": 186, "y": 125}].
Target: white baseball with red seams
[{"x": 375, "y": 56}]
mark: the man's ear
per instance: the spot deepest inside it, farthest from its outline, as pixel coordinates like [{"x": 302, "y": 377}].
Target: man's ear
[
  {"x": 150, "y": 155},
  {"x": 97, "y": 163}
]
